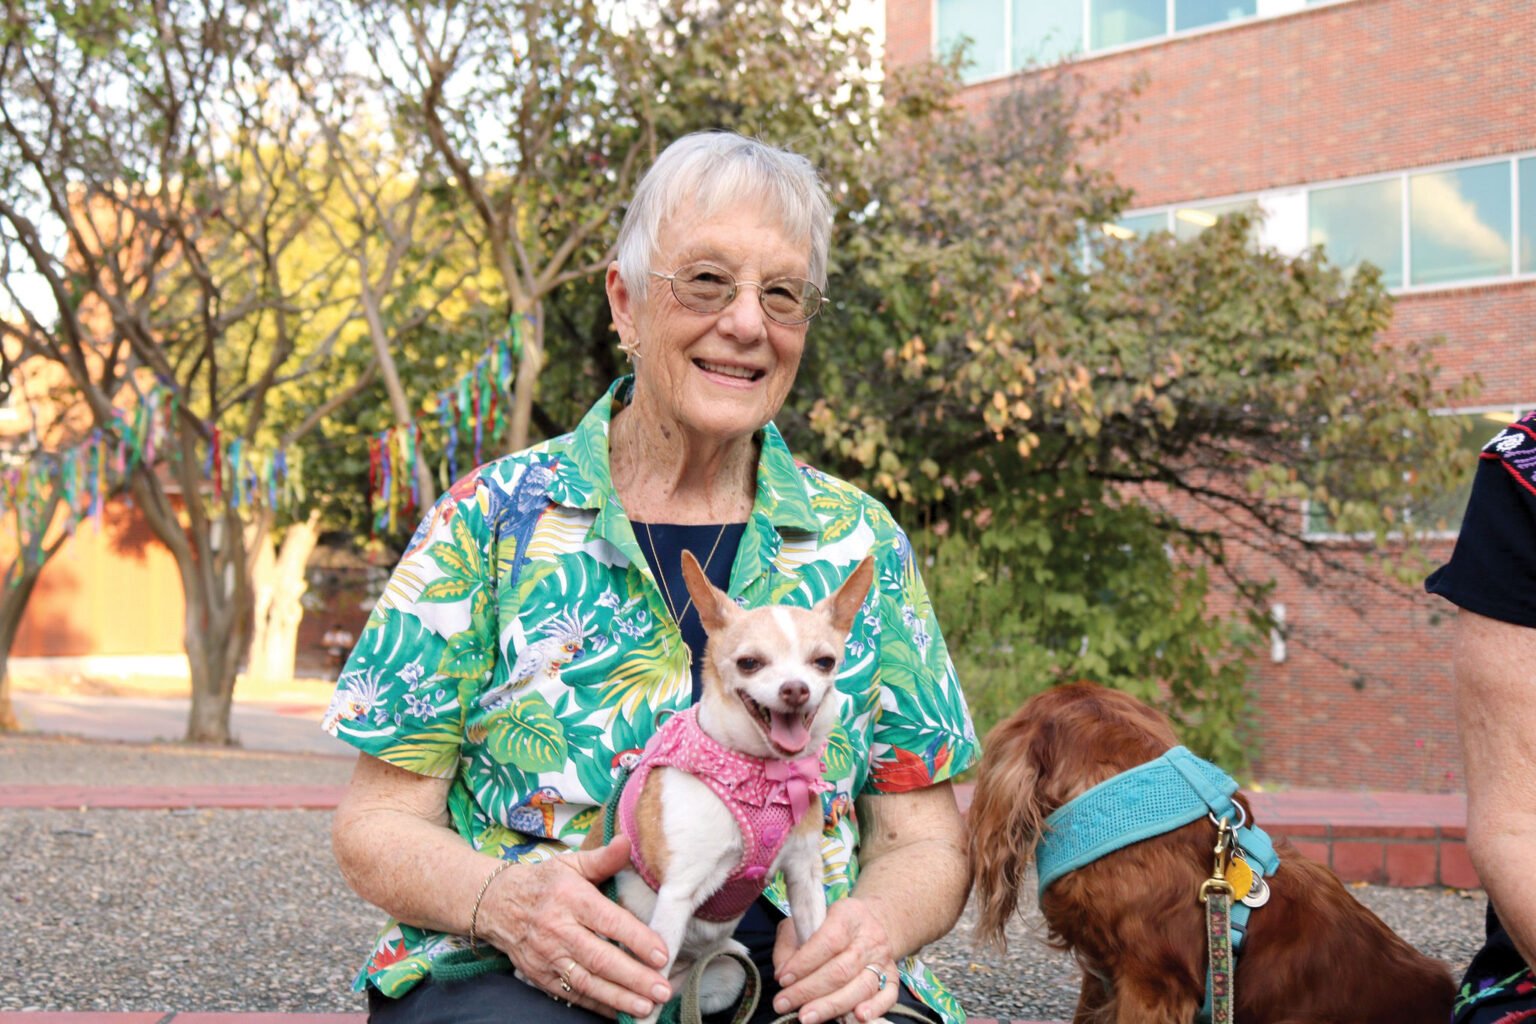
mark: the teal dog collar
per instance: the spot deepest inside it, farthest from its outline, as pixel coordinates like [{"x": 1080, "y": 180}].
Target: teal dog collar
[
  {"x": 1164, "y": 794},
  {"x": 1145, "y": 801}
]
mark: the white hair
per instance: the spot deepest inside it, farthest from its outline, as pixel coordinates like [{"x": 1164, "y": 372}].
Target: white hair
[{"x": 713, "y": 170}]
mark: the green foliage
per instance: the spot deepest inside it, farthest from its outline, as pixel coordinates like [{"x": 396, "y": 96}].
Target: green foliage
[
  {"x": 1100, "y": 437},
  {"x": 1069, "y": 583}
]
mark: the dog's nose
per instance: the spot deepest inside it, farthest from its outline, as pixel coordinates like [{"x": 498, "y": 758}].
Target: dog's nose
[{"x": 794, "y": 693}]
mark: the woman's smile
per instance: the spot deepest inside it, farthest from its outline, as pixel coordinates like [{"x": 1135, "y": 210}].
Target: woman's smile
[{"x": 732, "y": 370}]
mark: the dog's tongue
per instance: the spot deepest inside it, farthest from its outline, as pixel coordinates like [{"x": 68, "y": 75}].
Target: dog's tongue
[{"x": 788, "y": 732}]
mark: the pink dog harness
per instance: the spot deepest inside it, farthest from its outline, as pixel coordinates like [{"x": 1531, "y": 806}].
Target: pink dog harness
[{"x": 768, "y": 798}]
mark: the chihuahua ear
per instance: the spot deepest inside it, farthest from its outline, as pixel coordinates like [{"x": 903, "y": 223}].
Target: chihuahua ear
[
  {"x": 845, "y": 602},
  {"x": 714, "y": 605}
]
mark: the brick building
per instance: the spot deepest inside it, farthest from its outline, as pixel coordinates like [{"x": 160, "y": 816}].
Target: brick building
[{"x": 1402, "y": 132}]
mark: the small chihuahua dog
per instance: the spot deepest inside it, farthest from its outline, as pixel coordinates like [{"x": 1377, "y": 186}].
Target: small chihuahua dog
[{"x": 726, "y": 794}]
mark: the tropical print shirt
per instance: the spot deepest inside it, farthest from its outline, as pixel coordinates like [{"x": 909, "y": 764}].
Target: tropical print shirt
[{"x": 522, "y": 649}]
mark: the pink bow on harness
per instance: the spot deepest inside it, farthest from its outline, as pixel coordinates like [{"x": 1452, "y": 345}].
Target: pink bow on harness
[{"x": 797, "y": 776}]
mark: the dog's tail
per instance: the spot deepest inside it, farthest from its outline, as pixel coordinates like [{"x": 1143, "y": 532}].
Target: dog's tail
[{"x": 1005, "y": 819}]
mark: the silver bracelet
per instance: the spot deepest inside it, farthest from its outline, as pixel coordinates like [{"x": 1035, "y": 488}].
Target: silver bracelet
[{"x": 474, "y": 914}]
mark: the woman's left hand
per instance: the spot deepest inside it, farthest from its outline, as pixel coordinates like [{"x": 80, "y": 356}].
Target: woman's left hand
[
  {"x": 911, "y": 889},
  {"x": 829, "y": 976}
]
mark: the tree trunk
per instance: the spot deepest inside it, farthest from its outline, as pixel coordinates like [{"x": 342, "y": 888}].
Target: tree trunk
[
  {"x": 288, "y": 587},
  {"x": 12, "y": 604},
  {"x": 16, "y": 586},
  {"x": 525, "y": 384},
  {"x": 217, "y": 635},
  {"x": 263, "y": 589},
  {"x": 398, "y": 405},
  {"x": 214, "y": 557}
]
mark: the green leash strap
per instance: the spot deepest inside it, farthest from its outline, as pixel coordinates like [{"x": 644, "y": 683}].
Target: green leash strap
[
  {"x": 463, "y": 964},
  {"x": 611, "y": 826},
  {"x": 688, "y": 1010}
]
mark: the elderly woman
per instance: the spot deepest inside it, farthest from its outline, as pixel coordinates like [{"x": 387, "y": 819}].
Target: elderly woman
[{"x": 538, "y": 626}]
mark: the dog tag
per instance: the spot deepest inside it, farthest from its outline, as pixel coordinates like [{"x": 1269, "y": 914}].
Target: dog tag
[
  {"x": 1259, "y": 894},
  {"x": 1240, "y": 876}
]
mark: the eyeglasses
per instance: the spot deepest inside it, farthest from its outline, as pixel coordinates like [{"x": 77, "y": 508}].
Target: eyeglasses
[{"x": 705, "y": 288}]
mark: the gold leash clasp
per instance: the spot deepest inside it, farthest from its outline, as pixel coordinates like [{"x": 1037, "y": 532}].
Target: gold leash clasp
[{"x": 1223, "y": 862}]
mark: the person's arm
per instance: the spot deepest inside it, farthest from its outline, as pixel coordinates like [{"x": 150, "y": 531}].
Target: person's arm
[
  {"x": 913, "y": 881},
  {"x": 396, "y": 848},
  {"x": 1495, "y": 664}
]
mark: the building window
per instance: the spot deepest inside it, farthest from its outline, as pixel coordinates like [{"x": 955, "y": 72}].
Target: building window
[
  {"x": 1045, "y": 33},
  {"x": 1189, "y": 14},
  {"x": 1527, "y": 201},
  {"x": 1189, "y": 221},
  {"x": 1137, "y": 224},
  {"x": 1459, "y": 224},
  {"x": 1443, "y": 512},
  {"x": 1422, "y": 229},
  {"x": 1118, "y": 22},
  {"x": 1007, "y": 35},
  {"x": 1359, "y": 223},
  {"x": 981, "y": 27}
]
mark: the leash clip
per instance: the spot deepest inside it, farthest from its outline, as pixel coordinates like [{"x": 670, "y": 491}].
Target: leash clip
[{"x": 1225, "y": 841}]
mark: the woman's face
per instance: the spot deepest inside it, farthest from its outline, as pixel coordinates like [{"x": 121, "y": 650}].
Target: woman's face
[{"x": 723, "y": 375}]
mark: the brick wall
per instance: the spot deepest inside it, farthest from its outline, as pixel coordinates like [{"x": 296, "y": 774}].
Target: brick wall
[
  {"x": 108, "y": 591},
  {"x": 1489, "y": 332},
  {"x": 1324, "y": 93},
  {"x": 1363, "y": 697}
]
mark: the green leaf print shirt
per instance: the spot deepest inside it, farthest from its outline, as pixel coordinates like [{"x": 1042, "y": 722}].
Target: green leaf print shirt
[{"x": 522, "y": 650}]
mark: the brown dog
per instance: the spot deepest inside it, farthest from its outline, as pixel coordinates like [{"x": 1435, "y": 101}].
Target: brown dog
[{"x": 1132, "y": 918}]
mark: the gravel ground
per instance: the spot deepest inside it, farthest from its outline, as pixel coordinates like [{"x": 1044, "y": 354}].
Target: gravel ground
[{"x": 244, "y": 910}]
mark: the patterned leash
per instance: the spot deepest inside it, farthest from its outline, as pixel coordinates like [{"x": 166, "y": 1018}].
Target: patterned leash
[{"x": 1216, "y": 893}]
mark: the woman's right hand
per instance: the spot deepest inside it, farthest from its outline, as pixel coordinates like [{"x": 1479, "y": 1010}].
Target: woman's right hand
[{"x": 554, "y": 922}]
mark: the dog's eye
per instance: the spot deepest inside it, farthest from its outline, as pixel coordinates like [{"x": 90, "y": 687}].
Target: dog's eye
[
  {"x": 747, "y": 666},
  {"x": 825, "y": 663}
]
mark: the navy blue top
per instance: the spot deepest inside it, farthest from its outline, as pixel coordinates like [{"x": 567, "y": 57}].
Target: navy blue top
[{"x": 663, "y": 545}]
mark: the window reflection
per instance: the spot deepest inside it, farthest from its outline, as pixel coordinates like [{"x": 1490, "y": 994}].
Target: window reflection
[
  {"x": 1458, "y": 224},
  {"x": 1044, "y": 33},
  {"x": 1117, "y": 22},
  {"x": 1141, "y": 224},
  {"x": 1528, "y": 215},
  {"x": 979, "y": 25},
  {"x": 1359, "y": 223},
  {"x": 1195, "y": 13},
  {"x": 1189, "y": 221},
  {"x": 1443, "y": 512}
]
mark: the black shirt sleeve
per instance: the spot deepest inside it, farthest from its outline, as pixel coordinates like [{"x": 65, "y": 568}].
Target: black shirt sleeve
[{"x": 1492, "y": 570}]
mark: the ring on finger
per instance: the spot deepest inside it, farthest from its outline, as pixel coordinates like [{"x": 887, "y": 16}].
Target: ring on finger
[
  {"x": 879, "y": 974},
  {"x": 565, "y": 978}
]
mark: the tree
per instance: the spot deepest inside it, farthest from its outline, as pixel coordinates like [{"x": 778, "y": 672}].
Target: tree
[
  {"x": 795, "y": 74},
  {"x": 1095, "y": 428},
  {"x": 534, "y": 116},
  {"x": 47, "y": 483},
  {"x": 155, "y": 170}
]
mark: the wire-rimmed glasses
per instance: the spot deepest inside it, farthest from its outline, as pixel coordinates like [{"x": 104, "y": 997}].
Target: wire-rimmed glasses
[{"x": 706, "y": 288}]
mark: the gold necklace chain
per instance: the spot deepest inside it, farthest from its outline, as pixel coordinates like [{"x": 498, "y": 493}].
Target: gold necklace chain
[{"x": 661, "y": 576}]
